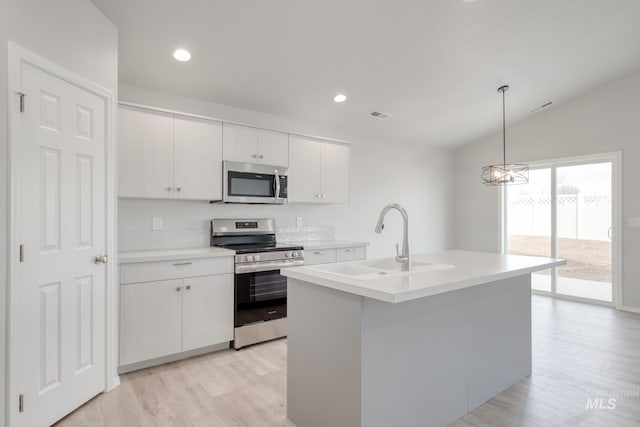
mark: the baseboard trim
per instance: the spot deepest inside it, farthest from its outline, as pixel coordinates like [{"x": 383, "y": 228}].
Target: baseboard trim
[
  {"x": 630, "y": 309},
  {"x": 172, "y": 358}
]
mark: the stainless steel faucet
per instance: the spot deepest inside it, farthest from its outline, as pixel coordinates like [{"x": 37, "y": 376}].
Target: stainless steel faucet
[{"x": 404, "y": 257}]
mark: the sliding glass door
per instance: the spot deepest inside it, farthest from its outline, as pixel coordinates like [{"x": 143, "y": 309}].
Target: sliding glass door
[{"x": 567, "y": 210}]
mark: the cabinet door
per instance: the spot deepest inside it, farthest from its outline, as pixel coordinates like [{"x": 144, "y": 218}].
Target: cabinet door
[
  {"x": 208, "y": 311},
  {"x": 240, "y": 143},
  {"x": 335, "y": 173},
  {"x": 145, "y": 154},
  {"x": 150, "y": 320},
  {"x": 304, "y": 170},
  {"x": 197, "y": 161},
  {"x": 273, "y": 148}
]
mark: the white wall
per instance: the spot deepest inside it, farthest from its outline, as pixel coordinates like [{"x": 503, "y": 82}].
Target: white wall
[
  {"x": 415, "y": 176},
  {"x": 73, "y": 34},
  {"x": 602, "y": 120}
]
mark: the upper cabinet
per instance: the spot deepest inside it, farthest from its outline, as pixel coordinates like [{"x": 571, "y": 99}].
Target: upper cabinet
[
  {"x": 145, "y": 154},
  {"x": 318, "y": 171},
  {"x": 251, "y": 145},
  {"x": 197, "y": 159},
  {"x": 162, "y": 156},
  {"x": 175, "y": 156}
]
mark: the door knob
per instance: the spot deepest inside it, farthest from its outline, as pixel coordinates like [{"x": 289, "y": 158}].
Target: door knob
[{"x": 101, "y": 259}]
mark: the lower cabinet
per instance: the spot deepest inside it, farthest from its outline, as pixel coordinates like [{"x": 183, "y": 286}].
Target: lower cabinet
[
  {"x": 167, "y": 317},
  {"x": 331, "y": 255},
  {"x": 207, "y": 311}
]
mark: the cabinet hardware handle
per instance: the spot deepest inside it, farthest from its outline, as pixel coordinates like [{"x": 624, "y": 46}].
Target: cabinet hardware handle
[
  {"x": 188, "y": 287},
  {"x": 183, "y": 263},
  {"x": 318, "y": 253},
  {"x": 178, "y": 188},
  {"x": 349, "y": 250},
  {"x": 254, "y": 155},
  {"x": 168, "y": 188},
  {"x": 261, "y": 156},
  {"x": 178, "y": 289},
  {"x": 272, "y": 312}
]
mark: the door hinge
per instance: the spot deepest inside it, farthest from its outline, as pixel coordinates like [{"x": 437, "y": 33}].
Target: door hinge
[
  {"x": 21, "y": 403},
  {"x": 21, "y": 95},
  {"x": 21, "y": 253}
]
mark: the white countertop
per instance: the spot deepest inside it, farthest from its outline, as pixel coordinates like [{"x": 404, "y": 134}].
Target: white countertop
[
  {"x": 172, "y": 254},
  {"x": 328, "y": 244},
  {"x": 469, "y": 269}
]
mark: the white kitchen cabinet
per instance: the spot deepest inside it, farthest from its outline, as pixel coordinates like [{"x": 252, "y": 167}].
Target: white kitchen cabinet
[
  {"x": 207, "y": 307},
  {"x": 150, "y": 320},
  {"x": 197, "y": 159},
  {"x": 165, "y": 318},
  {"x": 252, "y": 145},
  {"x": 164, "y": 156},
  {"x": 145, "y": 154},
  {"x": 318, "y": 171},
  {"x": 351, "y": 254}
]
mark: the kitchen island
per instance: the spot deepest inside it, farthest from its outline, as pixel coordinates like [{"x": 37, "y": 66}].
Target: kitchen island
[{"x": 369, "y": 346}]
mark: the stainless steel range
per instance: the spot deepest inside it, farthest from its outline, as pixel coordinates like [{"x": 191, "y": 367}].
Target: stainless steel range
[{"x": 260, "y": 289}]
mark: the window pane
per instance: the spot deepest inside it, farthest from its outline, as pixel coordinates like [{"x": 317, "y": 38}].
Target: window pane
[{"x": 529, "y": 222}]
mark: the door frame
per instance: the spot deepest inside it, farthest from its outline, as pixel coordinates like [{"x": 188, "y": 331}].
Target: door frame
[
  {"x": 615, "y": 157},
  {"x": 17, "y": 55}
]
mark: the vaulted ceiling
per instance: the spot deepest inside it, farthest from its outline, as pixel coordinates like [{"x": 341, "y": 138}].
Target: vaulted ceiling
[{"x": 433, "y": 65}]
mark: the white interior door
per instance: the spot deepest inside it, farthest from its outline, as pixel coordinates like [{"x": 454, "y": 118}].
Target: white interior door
[{"x": 63, "y": 227}]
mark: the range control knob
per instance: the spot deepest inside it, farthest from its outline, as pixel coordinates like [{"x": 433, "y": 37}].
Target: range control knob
[
  {"x": 256, "y": 257},
  {"x": 250, "y": 258},
  {"x": 294, "y": 254},
  {"x": 288, "y": 254}
]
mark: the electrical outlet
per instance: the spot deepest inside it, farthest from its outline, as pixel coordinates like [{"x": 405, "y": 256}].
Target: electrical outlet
[
  {"x": 634, "y": 222},
  {"x": 156, "y": 223},
  {"x": 298, "y": 221}
]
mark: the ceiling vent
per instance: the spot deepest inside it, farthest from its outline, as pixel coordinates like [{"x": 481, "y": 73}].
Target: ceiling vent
[
  {"x": 535, "y": 110},
  {"x": 379, "y": 115}
]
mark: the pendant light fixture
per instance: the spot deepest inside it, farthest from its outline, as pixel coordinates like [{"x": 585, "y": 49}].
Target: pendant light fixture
[{"x": 505, "y": 174}]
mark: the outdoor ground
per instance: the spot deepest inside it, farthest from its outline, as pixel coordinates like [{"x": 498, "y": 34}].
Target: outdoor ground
[{"x": 586, "y": 259}]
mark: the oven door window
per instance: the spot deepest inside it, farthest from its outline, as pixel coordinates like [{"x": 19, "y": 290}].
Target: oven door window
[
  {"x": 261, "y": 286},
  {"x": 245, "y": 184}
]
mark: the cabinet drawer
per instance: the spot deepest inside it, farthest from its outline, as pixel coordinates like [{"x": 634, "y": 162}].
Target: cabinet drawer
[
  {"x": 319, "y": 256},
  {"x": 350, "y": 254},
  {"x": 165, "y": 270}
]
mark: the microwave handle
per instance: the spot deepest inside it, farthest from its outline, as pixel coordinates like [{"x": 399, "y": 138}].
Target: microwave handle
[{"x": 277, "y": 185}]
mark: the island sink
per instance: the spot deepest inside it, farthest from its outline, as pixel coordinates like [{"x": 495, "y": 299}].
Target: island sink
[{"x": 370, "y": 270}]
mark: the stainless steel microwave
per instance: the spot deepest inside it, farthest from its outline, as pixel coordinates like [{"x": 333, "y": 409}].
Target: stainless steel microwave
[{"x": 253, "y": 183}]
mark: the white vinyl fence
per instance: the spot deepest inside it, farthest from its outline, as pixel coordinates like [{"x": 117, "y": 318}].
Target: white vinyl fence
[{"x": 579, "y": 216}]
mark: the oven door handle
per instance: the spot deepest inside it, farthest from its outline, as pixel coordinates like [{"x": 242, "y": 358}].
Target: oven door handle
[{"x": 255, "y": 267}]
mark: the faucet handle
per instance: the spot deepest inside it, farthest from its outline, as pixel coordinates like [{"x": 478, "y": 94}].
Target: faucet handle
[{"x": 397, "y": 250}]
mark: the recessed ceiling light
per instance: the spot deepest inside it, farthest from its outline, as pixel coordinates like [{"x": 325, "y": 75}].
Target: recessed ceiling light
[
  {"x": 340, "y": 98},
  {"x": 182, "y": 55}
]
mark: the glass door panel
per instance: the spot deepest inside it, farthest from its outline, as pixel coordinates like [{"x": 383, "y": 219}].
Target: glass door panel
[
  {"x": 529, "y": 222},
  {"x": 584, "y": 224}
]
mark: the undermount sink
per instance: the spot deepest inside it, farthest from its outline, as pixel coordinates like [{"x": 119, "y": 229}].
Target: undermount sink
[{"x": 376, "y": 269}]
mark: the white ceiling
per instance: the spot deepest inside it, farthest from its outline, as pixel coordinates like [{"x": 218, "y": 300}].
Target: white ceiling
[{"x": 434, "y": 65}]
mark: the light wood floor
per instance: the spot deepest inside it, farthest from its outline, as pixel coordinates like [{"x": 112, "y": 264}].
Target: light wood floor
[{"x": 580, "y": 352}]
